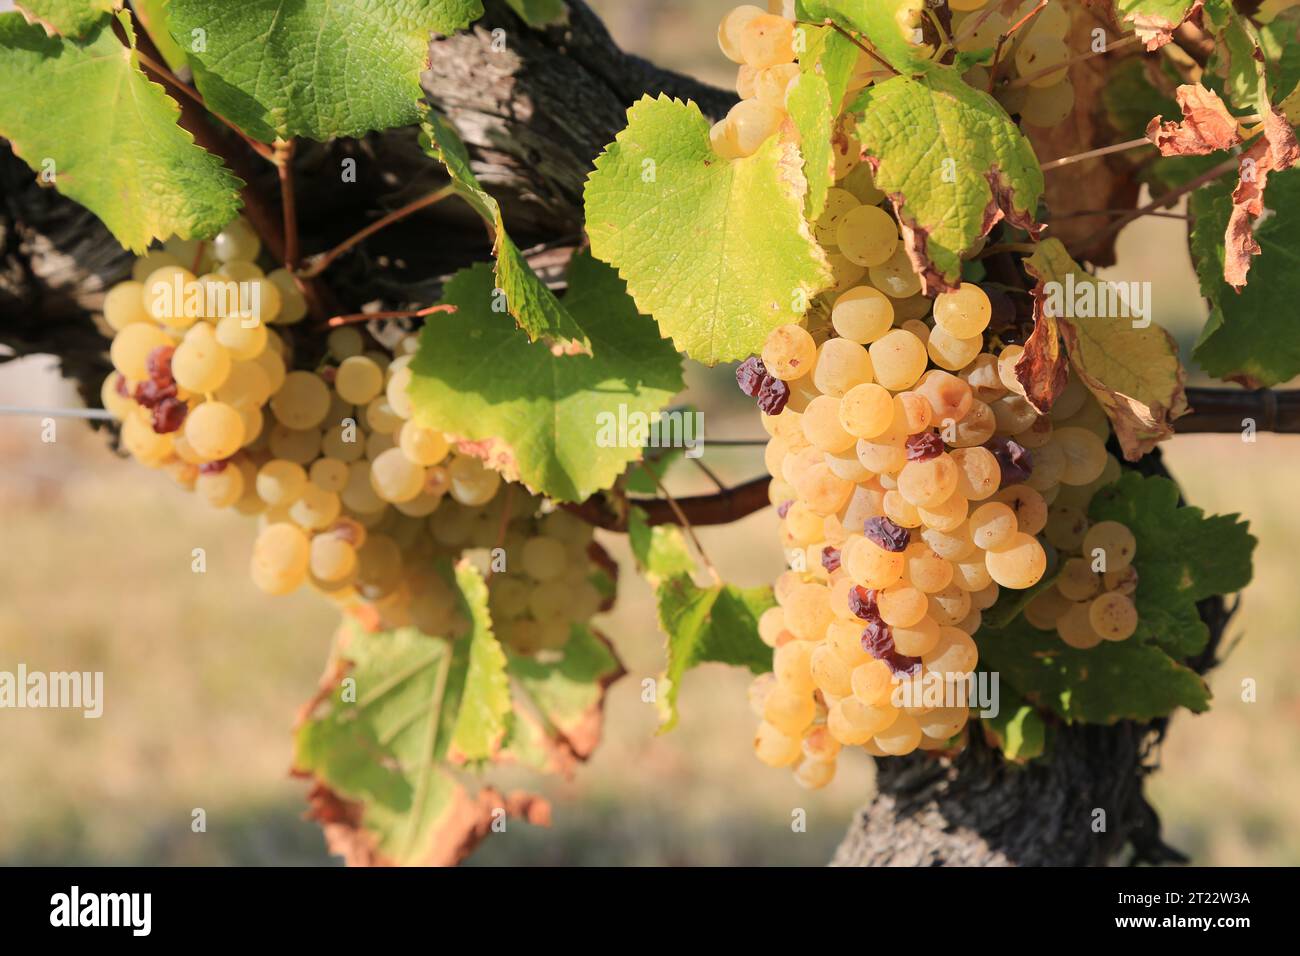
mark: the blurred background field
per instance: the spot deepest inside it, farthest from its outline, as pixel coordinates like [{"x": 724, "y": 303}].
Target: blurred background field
[{"x": 203, "y": 674}]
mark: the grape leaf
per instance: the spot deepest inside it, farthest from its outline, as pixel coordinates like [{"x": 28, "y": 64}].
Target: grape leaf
[
  {"x": 155, "y": 15},
  {"x": 540, "y": 13},
  {"x": 1183, "y": 556},
  {"x": 814, "y": 103},
  {"x": 1155, "y": 20},
  {"x": 69, "y": 18},
  {"x": 890, "y": 25},
  {"x": 314, "y": 68},
  {"x": 660, "y": 550},
  {"x": 1249, "y": 337},
  {"x": 1132, "y": 368},
  {"x": 84, "y": 111},
  {"x": 485, "y": 708},
  {"x": 549, "y": 420},
  {"x": 717, "y": 624},
  {"x": 526, "y": 297},
  {"x": 379, "y": 739},
  {"x": 952, "y": 163},
  {"x": 559, "y": 703},
  {"x": 718, "y": 252},
  {"x": 1018, "y": 729},
  {"x": 1130, "y": 680}
]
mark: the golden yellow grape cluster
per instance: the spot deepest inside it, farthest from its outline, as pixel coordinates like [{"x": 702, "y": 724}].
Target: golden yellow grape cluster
[
  {"x": 353, "y": 497},
  {"x": 913, "y": 477}
]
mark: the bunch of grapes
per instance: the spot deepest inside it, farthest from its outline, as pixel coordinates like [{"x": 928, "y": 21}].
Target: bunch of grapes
[
  {"x": 353, "y": 497},
  {"x": 913, "y": 477},
  {"x": 1032, "y": 79},
  {"x": 1092, "y": 598}
]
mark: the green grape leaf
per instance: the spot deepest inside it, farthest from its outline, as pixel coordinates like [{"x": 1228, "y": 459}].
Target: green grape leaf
[
  {"x": 565, "y": 425},
  {"x": 1130, "y": 680},
  {"x": 314, "y": 68},
  {"x": 717, "y": 624},
  {"x": 155, "y": 15},
  {"x": 1127, "y": 361},
  {"x": 69, "y": 18},
  {"x": 1239, "y": 57},
  {"x": 540, "y": 13},
  {"x": 814, "y": 104},
  {"x": 1249, "y": 337},
  {"x": 718, "y": 252},
  {"x": 534, "y": 307},
  {"x": 660, "y": 550},
  {"x": 483, "y": 719},
  {"x": 560, "y": 702},
  {"x": 1018, "y": 729},
  {"x": 893, "y": 27},
  {"x": 952, "y": 163},
  {"x": 1183, "y": 556},
  {"x": 384, "y": 740},
  {"x": 84, "y": 113},
  {"x": 1155, "y": 20}
]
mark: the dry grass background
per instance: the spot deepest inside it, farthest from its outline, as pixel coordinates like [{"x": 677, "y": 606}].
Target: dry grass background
[{"x": 203, "y": 674}]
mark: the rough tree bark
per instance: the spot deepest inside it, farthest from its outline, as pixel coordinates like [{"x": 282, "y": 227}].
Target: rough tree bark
[{"x": 534, "y": 115}]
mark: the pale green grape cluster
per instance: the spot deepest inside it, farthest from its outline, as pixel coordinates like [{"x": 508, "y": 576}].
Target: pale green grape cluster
[
  {"x": 913, "y": 477},
  {"x": 353, "y": 497}
]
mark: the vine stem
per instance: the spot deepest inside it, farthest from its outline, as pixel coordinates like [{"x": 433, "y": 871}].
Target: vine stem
[
  {"x": 1004, "y": 37},
  {"x": 358, "y": 317},
  {"x": 284, "y": 167},
  {"x": 1215, "y": 411},
  {"x": 323, "y": 261},
  {"x": 172, "y": 80},
  {"x": 1094, "y": 153}
]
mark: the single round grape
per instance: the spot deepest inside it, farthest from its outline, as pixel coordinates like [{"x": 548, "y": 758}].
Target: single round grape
[
  {"x": 241, "y": 270},
  {"x": 954, "y": 654},
  {"x": 724, "y": 139},
  {"x": 788, "y": 711},
  {"x": 124, "y": 304},
  {"x": 240, "y": 340},
  {"x": 358, "y": 380},
  {"x": 898, "y": 359},
  {"x": 773, "y": 83},
  {"x": 316, "y": 509},
  {"x": 395, "y": 477},
  {"x": 951, "y": 353},
  {"x": 132, "y": 346},
  {"x": 293, "y": 306},
  {"x": 948, "y": 396},
  {"x": 947, "y": 515},
  {"x": 925, "y": 570},
  {"x": 1046, "y": 107},
  {"x": 841, "y": 365},
  {"x": 237, "y": 242},
  {"x": 950, "y": 605},
  {"x": 963, "y": 313},
  {"x": 751, "y": 123},
  {"x": 302, "y": 401},
  {"x": 978, "y": 472},
  {"x": 773, "y": 747},
  {"x": 1113, "y": 616},
  {"x": 1085, "y": 455},
  {"x": 821, "y": 425},
  {"x": 1074, "y": 627},
  {"x": 853, "y": 722},
  {"x": 424, "y": 446},
  {"x": 472, "y": 482},
  {"x": 839, "y": 203},
  {"x": 731, "y": 27},
  {"x": 994, "y": 526},
  {"x": 902, "y": 605},
  {"x": 789, "y": 353},
  {"x": 1043, "y": 52},
  {"x": 214, "y": 430},
  {"x": 767, "y": 40},
  {"x": 928, "y": 483},
  {"x": 862, "y": 315},
  {"x": 896, "y": 277},
  {"x": 829, "y": 671},
  {"x": 901, "y": 737},
  {"x": 330, "y": 474},
  {"x": 917, "y": 639},
  {"x": 867, "y": 235},
  {"x": 332, "y": 559},
  {"x": 281, "y": 555},
  {"x": 169, "y": 296},
  {"x": 954, "y": 544},
  {"x": 221, "y": 488},
  {"x": 1113, "y": 543},
  {"x": 280, "y": 482},
  {"x": 867, "y": 411},
  {"x": 872, "y": 682},
  {"x": 300, "y": 445},
  {"x": 1019, "y": 564}
]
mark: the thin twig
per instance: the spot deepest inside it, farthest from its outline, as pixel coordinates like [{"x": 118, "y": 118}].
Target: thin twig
[
  {"x": 284, "y": 167},
  {"x": 323, "y": 261},
  {"x": 1028, "y": 78},
  {"x": 1209, "y": 176},
  {"x": 1007, "y": 35},
  {"x": 852, "y": 39},
  {"x": 172, "y": 80},
  {"x": 685, "y": 524},
  {"x": 1025, "y": 248},
  {"x": 358, "y": 317},
  {"x": 709, "y": 472},
  {"x": 1093, "y": 153},
  {"x": 1118, "y": 212}
]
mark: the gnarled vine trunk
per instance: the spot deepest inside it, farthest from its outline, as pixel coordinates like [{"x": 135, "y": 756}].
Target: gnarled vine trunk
[{"x": 534, "y": 115}]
